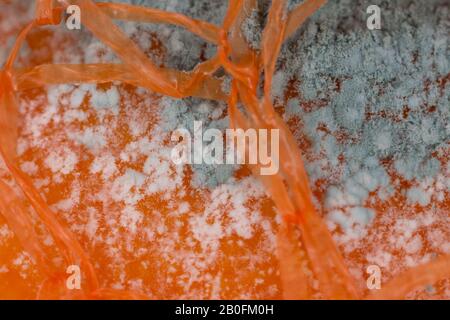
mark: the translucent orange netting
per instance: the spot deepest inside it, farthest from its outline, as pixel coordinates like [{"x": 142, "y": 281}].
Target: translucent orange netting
[{"x": 313, "y": 265}]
